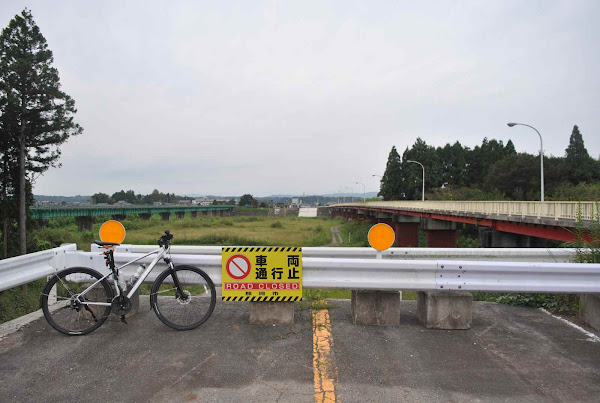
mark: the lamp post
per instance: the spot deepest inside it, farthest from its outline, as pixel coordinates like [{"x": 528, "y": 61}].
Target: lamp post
[
  {"x": 541, "y": 155},
  {"x": 423, "y": 192},
  {"x": 364, "y": 192}
]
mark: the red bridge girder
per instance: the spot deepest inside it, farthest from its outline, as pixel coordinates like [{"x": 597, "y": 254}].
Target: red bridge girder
[{"x": 557, "y": 233}]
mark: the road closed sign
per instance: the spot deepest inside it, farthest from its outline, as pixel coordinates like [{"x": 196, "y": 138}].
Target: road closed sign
[{"x": 262, "y": 273}]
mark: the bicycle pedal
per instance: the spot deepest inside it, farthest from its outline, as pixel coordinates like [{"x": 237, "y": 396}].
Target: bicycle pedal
[{"x": 123, "y": 319}]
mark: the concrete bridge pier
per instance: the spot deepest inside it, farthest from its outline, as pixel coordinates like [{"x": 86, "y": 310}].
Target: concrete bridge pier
[
  {"x": 165, "y": 216},
  {"x": 194, "y": 214},
  {"x": 180, "y": 215},
  {"x": 407, "y": 230},
  {"x": 42, "y": 223},
  {"x": 84, "y": 223},
  {"x": 145, "y": 216},
  {"x": 119, "y": 217},
  {"x": 440, "y": 234}
]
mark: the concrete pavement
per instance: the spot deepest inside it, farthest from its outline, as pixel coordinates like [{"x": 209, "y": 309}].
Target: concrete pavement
[{"x": 510, "y": 354}]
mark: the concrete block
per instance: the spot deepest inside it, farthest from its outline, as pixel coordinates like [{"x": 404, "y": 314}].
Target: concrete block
[
  {"x": 271, "y": 313},
  {"x": 445, "y": 310},
  {"x": 589, "y": 309},
  {"x": 378, "y": 308}
]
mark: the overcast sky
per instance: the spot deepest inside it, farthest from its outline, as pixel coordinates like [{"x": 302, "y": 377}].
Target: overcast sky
[{"x": 297, "y": 97}]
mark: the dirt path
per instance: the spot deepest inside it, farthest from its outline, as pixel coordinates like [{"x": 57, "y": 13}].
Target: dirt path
[{"x": 336, "y": 237}]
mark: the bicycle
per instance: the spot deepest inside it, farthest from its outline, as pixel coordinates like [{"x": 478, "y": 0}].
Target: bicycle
[{"x": 183, "y": 297}]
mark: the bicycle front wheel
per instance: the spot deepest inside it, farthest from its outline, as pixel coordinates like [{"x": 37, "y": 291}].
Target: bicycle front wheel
[
  {"x": 69, "y": 312},
  {"x": 183, "y": 298}
]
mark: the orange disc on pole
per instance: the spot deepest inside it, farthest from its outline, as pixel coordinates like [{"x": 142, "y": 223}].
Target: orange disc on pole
[
  {"x": 381, "y": 236},
  {"x": 112, "y": 231}
]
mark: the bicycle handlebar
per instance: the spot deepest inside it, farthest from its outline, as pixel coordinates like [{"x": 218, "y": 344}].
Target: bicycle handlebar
[{"x": 165, "y": 240}]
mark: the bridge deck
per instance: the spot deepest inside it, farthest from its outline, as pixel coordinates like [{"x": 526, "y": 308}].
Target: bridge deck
[
  {"x": 550, "y": 220},
  {"x": 510, "y": 354}
]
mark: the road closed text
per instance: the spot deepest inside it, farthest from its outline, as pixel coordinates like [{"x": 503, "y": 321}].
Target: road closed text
[{"x": 261, "y": 286}]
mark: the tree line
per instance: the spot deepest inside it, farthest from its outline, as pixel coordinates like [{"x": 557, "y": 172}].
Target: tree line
[
  {"x": 36, "y": 117},
  {"x": 131, "y": 197},
  {"x": 490, "y": 171}
]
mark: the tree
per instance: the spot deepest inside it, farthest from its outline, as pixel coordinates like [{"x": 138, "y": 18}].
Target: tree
[
  {"x": 100, "y": 198},
  {"x": 38, "y": 115},
  {"x": 581, "y": 167},
  {"x": 391, "y": 182},
  {"x": 247, "y": 200}
]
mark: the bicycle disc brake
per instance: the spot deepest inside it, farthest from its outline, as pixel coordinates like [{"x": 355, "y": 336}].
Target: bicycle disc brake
[{"x": 120, "y": 305}]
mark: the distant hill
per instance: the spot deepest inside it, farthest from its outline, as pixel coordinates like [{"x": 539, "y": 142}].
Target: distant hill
[{"x": 60, "y": 199}]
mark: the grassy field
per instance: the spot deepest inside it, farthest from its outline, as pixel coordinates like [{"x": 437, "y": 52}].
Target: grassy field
[{"x": 243, "y": 230}]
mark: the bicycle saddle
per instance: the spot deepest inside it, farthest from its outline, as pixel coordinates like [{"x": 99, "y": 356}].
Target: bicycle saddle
[{"x": 102, "y": 243}]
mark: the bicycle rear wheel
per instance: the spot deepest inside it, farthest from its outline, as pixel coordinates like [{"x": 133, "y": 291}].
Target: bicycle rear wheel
[
  {"x": 188, "y": 309},
  {"x": 68, "y": 314}
]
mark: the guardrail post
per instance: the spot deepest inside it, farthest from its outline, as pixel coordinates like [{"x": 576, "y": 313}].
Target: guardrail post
[
  {"x": 378, "y": 308},
  {"x": 271, "y": 313},
  {"x": 445, "y": 310},
  {"x": 589, "y": 310}
]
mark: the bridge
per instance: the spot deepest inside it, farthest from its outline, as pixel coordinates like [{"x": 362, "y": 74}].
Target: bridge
[
  {"x": 84, "y": 214},
  {"x": 502, "y": 223}
]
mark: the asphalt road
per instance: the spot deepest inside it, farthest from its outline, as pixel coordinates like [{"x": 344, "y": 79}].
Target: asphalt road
[{"x": 510, "y": 354}]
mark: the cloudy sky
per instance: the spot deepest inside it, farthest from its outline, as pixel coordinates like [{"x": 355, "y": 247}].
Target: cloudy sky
[{"x": 297, "y": 97}]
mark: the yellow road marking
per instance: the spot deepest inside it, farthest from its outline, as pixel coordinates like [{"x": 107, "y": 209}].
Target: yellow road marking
[{"x": 325, "y": 372}]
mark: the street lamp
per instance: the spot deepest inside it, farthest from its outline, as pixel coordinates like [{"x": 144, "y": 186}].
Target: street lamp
[
  {"x": 541, "y": 154},
  {"x": 364, "y": 192},
  {"x": 379, "y": 176},
  {"x": 423, "y": 193}
]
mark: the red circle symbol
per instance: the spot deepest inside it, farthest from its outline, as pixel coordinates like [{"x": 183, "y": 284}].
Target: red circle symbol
[{"x": 238, "y": 267}]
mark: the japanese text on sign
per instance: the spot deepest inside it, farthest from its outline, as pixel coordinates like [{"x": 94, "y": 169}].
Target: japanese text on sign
[{"x": 262, "y": 273}]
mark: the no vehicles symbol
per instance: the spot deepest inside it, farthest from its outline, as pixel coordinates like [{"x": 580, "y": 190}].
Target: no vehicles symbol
[{"x": 238, "y": 267}]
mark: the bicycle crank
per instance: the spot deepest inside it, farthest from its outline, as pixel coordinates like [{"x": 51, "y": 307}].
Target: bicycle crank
[{"x": 120, "y": 305}]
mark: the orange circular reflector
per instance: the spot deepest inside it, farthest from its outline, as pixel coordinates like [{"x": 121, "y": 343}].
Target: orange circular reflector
[
  {"x": 381, "y": 236},
  {"x": 112, "y": 231}
]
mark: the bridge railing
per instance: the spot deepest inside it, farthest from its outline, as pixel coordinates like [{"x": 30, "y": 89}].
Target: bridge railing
[
  {"x": 556, "y": 210},
  {"x": 347, "y": 273}
]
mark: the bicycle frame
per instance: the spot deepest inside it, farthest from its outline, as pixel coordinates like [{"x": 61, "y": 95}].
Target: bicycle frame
[{"x": 160, "y": 253}]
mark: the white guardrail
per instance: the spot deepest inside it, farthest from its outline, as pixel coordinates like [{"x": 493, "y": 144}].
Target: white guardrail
[
  {"x": 556, "y": 210},
  {"x": 20, "y": 270},
  {"x": 542, "y": 270}
]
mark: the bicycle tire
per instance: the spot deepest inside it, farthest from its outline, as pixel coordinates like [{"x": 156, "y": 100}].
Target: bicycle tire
[
  {"x": 75, "y": 319},
  {"x": 172, "y": 309}
]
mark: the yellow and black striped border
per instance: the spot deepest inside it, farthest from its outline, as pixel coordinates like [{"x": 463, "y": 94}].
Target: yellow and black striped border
[
  {"x": 263, "y": 299},
  {"x": 261, "y": 249}
]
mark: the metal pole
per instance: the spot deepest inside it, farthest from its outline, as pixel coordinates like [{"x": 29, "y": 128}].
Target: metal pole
[
  {"x": 423, "y": 191},
  {"x": 541, "y": 156},
  {"x": 364, "y": 192}
]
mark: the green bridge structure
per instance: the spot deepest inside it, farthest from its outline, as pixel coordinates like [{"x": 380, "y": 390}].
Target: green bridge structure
[{"x": 84, "y": 215}]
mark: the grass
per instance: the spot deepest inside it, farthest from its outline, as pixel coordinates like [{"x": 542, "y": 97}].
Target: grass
[
  {"x": 14, "y": 302},
  {"x": 237, "y": 230}
]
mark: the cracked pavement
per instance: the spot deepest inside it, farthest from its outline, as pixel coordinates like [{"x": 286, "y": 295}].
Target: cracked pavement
[{"x": 510, "y": 354}]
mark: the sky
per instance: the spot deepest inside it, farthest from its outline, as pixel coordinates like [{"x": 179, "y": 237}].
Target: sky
[{"x": 307, "y": 97}]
